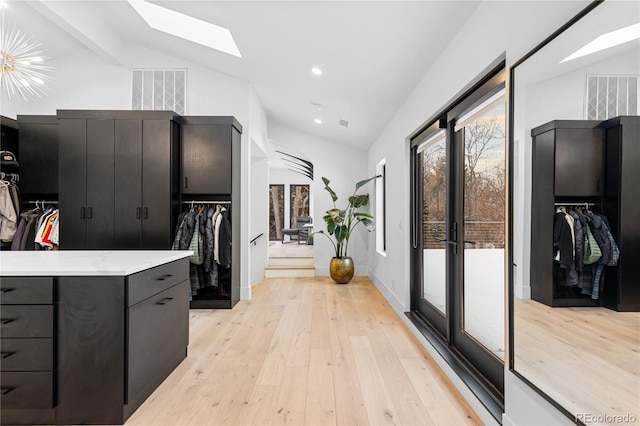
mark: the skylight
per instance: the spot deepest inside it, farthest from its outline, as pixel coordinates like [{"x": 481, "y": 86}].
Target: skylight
[
  {"x": 186, "y": 27},
  {"x": 605, "y": 41}
]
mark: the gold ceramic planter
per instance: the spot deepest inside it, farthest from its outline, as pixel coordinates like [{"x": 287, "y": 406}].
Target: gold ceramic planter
[{"x": 341, "y": 269}]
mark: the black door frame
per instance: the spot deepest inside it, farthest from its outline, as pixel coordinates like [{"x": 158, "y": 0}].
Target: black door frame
[{"x": 484, "y": 366}]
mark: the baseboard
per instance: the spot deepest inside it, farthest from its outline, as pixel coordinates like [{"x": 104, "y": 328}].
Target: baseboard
[
  {"x": 522, "y": 292},
  {"x": 245, "y": 293},
  {"x": 393, "y": 300}
]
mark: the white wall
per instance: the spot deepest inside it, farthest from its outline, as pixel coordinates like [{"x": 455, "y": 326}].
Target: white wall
[
  {"x": 343, "y": 166},
  {"x": 496, "y": 28},
  {"x": 85, "y": 81}
]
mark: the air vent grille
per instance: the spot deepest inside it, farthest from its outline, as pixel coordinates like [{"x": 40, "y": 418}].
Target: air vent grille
[{"x": 344, "y": 123}]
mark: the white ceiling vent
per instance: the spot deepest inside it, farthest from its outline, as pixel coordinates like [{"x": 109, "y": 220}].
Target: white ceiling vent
[{"x": 344, "y": 123}]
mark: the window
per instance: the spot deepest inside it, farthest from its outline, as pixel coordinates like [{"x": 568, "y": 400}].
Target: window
[
  {"x": 381, "y": 207},
  {"x": 159, "y": 89}
]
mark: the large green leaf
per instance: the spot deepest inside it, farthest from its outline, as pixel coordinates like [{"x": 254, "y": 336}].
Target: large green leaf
[
  {"x": 364, "y": 182},
  {"x": 326, "y": 181},
  {"x": 337, "y": 215},
  {"x": 368, "y": 223},
  {"x": 340, "y": 233},
  {"x": 363, "y": 214},
  {"x": 359, "y": 200}
]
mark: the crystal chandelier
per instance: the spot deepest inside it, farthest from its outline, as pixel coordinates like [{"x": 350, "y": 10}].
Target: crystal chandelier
[{"x": 22, "y": 72}]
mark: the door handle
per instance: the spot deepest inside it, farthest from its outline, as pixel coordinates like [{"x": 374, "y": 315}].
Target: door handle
[
  {"x": 6, "y": 354},
  {"x": 82, "y": 213},
  {"x": 4, "y": 391},
  {"x": 164, "y": 277},
  {"x": 186, "y": 182},
  {"x": 146, "y": 212},
  {"x": 164, "y": 301},
  {"x": 6, "y": 321},
  {"x": 90, "y": 213},
  {"x": 7, "y": 290},
  {"x": 137, "y": 212}
]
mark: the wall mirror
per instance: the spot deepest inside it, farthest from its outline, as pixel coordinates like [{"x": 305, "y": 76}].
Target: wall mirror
[{"x": 583, "y": 357}]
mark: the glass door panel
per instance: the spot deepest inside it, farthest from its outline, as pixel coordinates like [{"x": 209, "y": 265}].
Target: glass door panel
[
  {"x": 434, "y": 226},
  {"x": 483, "y": 186}
]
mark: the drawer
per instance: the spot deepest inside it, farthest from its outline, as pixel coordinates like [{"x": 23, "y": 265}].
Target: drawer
[
  {"x": 157, "y": 339},
  {"x": 26, "y": 290},
  {"x": 26, "y": 321},
  {"x": 26, "y": 390},
  {"x": 26, "y": 354},
  {"x": 152, "y": 281}
]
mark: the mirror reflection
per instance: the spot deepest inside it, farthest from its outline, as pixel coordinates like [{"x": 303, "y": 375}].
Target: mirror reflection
[{"x": 576, "y": 317}]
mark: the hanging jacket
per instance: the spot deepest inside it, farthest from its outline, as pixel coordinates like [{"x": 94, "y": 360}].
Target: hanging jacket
[
  {"x": 8, "y": 214},
  {"x": 562, "y": 240},
  {"x": 599, "y": 231},
  {"x": 224, "y": 241},
  {"x": 579, "y": 233}
]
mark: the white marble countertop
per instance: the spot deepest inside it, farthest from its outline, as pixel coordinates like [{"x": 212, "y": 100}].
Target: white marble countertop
[{"x": 84, "y": 262}]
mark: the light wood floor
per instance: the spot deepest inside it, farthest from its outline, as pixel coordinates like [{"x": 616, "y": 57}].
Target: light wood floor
[
  {"x": 305, "y": 351},
  {"x": 587, "y": 359}
]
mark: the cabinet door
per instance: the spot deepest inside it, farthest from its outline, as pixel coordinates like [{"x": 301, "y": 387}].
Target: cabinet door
[
  {"x": 100, "y": 184},
  {"x": 72, "y": 173},
  {"x": 578, "y": 160},
  {"x": 206, "y": 157},
  {"x": 156, "y": 184},
  {"x": 39, "y": 158},
  {"x": 158, "y": 336},
  {"x": 128, "y": 184}
]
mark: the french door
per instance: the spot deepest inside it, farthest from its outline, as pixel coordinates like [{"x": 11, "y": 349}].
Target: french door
[{"x": 458, "y": 254}]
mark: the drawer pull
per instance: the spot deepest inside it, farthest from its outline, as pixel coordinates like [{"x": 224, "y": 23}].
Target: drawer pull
[
  {"x": 5, "y": 321},
  {"x": 6, "y": 354},
  {"x": 4, "y": 391},
  {"x": 7, "y": 290},
  {"x": 165, "y": 301},
  {"x": 164, "y": 277}
]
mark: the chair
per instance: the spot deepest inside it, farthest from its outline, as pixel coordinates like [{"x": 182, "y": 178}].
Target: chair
[{"x": 300, "y": 232}]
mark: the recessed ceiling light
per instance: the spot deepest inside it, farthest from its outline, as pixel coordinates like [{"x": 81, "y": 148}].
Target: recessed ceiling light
[
  {"x": 318, "y": 121},
  {"x": 186, "y": 27},
  {"x": 605, "y": 41},
  {"x": 316, "y": 71}
]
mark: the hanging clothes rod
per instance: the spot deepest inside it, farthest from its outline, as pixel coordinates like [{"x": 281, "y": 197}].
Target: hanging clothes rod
[
  {"x": 206, "y": 202},
  {"x": 575, "y": 204},
  {"x": 41, "y": 202}
]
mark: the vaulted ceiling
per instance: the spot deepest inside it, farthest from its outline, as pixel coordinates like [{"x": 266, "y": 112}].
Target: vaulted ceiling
[{"x": 372, "y": 53}]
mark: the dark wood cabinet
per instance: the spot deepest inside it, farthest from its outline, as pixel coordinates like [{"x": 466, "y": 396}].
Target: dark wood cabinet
[
  {"x": 567, "y": 167},
  {"x": 38, "y": 149},
  {"x": 91, "y": 349},
  {"x": 622, "y": 208},
  {"x": 27, "y": 333},
  {"x": 207, "y": 144},
  {"x": 118, "y": 179}
]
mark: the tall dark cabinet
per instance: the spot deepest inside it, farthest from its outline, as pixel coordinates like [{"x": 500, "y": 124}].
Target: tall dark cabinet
[
  {"x": 567, "y": 168},
  {"x": 622, "y": 204},
  {"x": 210, "y": 173},
  {"x": 39, "y": 156},
  {"x": 118, "y": 179}
]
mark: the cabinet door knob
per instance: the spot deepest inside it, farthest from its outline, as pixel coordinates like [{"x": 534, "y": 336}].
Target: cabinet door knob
[
  {"x": 186, "y": 182},
  {"x": 90, "y": 215},
  {"x": 6, "y": 354},
  {"x": 164, "y": 301},
  {"x": 146, "y": 212},
  {"x": 7, "y": 290},
  {"x": 5, "y": 321},
  {"x": 137, "y": 212},
  {"x": 164, "y": 277},
  {"x": 82, "y": 212},
  {"x": 4, "y": 391}
]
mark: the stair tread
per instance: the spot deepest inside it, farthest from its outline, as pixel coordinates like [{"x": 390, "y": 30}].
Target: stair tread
[{"x": 290, "y": 267}]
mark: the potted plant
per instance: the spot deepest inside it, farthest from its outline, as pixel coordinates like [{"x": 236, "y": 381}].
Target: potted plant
[{"x": 340, "y": 225}]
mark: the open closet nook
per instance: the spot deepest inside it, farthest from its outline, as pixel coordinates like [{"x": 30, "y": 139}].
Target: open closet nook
[{"x": 582, "y": 224}]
